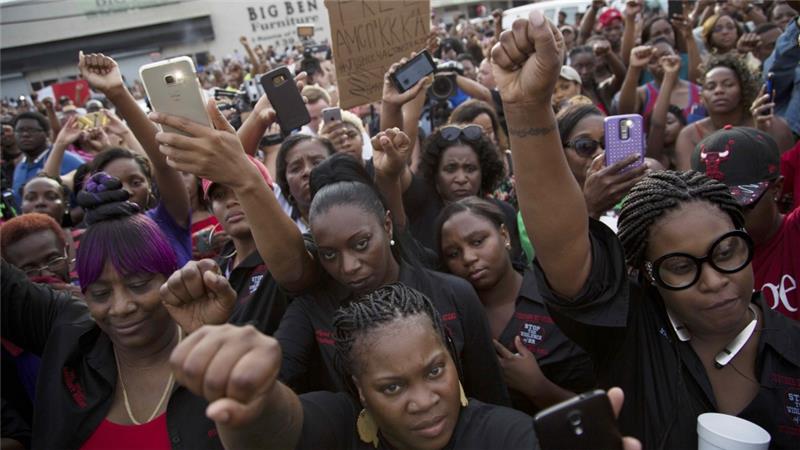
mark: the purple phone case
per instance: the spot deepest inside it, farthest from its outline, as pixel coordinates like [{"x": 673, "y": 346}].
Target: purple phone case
[{"x": 618, "y": 149}]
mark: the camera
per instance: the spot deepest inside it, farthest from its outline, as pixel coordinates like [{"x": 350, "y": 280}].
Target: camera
[{"x": 444, "y": 80}]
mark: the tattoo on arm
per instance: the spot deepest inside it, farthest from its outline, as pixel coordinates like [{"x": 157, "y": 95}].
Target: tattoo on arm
[{"x": 532, "y": 131}]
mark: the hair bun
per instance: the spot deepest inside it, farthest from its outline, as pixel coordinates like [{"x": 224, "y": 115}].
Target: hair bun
[
  {"x": 103, "y": 198},
  {"x": 337, "y": 168}
]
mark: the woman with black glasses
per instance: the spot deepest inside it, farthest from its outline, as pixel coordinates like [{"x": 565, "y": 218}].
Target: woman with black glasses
[
  {"x": 686, "y": 336},
  {"x": 457, "y": 162}
]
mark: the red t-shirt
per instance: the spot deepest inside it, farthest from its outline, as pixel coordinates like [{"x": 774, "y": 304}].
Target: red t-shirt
[
  {"x": 776, "y": 266},
  {"x": 151, "y": 435}
]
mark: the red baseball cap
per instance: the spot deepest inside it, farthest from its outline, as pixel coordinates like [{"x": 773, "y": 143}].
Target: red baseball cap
[
  {"x": 262, "y": 169},
  {"x": 608, "y": 16}
]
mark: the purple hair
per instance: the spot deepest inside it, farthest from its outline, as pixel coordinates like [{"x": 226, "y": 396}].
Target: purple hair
[{"x": 133, "y": 245}]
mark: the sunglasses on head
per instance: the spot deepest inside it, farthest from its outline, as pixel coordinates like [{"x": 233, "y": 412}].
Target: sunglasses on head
[
  {"x": 585, "y": 146},
  {"x": 452, "y": 133}
]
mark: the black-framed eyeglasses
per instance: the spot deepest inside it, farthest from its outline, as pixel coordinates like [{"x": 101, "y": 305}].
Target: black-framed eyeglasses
[
  {"x": 28, "y": 130},
  {"x": 730, "y": 253},
  {"x": 55, "y": 265},
  {"x": 452, "y": 133},
  {"x": 585, "y": 146}
]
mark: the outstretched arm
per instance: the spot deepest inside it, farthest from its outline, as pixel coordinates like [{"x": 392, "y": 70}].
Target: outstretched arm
[
  {"x": 217, "y": 154},
  {"x": 103, "y": 75},
  {"x": 527, "y": 62},
  {"x": 235, "y": 369},
  {"x": 629, "y": 102},
  {"x": 658, "y": 118}
]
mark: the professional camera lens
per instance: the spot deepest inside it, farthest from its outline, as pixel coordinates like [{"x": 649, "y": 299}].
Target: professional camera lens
[{"x": 443, "y": 87}]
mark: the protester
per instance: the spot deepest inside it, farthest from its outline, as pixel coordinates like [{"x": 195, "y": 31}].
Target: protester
[
  {"x": 259, "y": 300},
  {"x": 11, "y": 154},
  {"x": 731, "y": 96},
  {"x": 318, "y": 99},
  {"x": 31, "y": 131},
  {"x": 641, "y": 100},
  {"x": 482, "y": 114},
  {"x": 541, "y": 366},
  {"x": 786, "y": 75},
  {"x": 678, "y": 33},
  {"x": 721, "y": 32},
  {"x": 98, "y": 347},
  {"x": 297, "y": 157},
  {"x": 204, "y": 224},
  {"x": 359, "y": 248},
  {"x": 138, "y": 173},
  {"x": 581, "y": 129},
  {"x": 569, "y": 86},
  {"x": 420, "y": 404},
  {"x": 347, "y": 136},
  {"x": 355, "y": 236},
  {"x": 781, "y": 13},
  {"x": 747, "y": 161},
  {"x": 585, "y": 269}
]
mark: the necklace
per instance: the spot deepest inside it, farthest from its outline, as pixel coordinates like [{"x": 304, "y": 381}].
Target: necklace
[{"x": 167, "y": 389}]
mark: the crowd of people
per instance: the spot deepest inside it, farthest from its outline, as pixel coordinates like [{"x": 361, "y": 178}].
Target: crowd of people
[{"x": 428, "y": 271}]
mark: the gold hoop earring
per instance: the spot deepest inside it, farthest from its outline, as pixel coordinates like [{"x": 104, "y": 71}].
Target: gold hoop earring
[
  {"x": 464, "y": 400},
  {"x": 367, "y": 428}
]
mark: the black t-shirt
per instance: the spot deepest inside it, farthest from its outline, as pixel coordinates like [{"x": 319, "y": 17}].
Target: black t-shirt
[
  {"x": 329, "y": 421},
  {"x": 423, "y": 204},
  {"x": 306, "y": 335},
  {"x": 562, "y": 361},
  {"x": 625, "y": 329},
  {"x": 259, "y": 299}
]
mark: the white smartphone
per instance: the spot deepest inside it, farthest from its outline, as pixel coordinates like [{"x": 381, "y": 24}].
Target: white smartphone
[
  {"x": 172, "y": 87},
  {"x": 333, "y": 114}
]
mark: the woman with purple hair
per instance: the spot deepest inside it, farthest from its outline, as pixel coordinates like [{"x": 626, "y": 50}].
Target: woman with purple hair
[{"x": 105, "y": 376}]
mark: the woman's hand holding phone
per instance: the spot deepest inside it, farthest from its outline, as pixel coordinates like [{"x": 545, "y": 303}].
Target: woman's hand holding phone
[
  {"x": 391, "y": 95},
  {"x": 762, "y": 110},
  {"x": 605, "y": 186},
  {"x": 212, "y": 153}
]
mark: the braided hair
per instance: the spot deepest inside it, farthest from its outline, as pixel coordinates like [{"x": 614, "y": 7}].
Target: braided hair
[
  {"x": 661, "y": 192},
  {"x": 378, "y": 308}
]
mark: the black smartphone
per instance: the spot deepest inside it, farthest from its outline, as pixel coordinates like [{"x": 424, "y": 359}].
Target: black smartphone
[
  {"x": 414, "y": 70},
  {"x": 769, "y": 88},
  {"x": 585, "y": 422},
  {"x": 674, "y": 8},
  {"x": 282, "y": 93}
]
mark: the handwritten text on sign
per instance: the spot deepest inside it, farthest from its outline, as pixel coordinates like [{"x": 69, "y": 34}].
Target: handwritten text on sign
[{"x": 367, "y": 37}]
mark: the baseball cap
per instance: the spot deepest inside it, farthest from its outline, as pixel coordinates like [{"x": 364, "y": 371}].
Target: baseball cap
[
  {"x": 568, "y": 73},
  {"x": 262, "y": 169},
  {"x": 608, "y": 16},
  {"x": 745, "y": 159}
]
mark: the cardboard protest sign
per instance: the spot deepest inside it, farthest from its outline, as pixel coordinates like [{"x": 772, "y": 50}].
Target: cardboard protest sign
[{"x": 368, "y": 36}]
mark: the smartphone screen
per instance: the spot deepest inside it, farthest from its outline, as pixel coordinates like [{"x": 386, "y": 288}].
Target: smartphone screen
[{"x": 414, "y": 70}]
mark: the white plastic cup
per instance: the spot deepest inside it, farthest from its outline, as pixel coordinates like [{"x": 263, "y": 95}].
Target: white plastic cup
[{"x": 723, "y": 432}]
